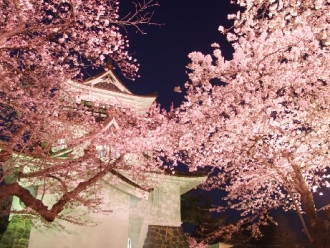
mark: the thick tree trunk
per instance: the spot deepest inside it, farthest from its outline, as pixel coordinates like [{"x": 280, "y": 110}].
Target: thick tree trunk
[
  {"x": 28, "y": 199},
  {"x": 38, "y": 206},
  {"x": 317, "y": 228},
  {"x": 5, "y": 155}
]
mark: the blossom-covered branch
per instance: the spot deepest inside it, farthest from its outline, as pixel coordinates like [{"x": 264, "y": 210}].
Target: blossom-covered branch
[{"x": 265, "y": 126}]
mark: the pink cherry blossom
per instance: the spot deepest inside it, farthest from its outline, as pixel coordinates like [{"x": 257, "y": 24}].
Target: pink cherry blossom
[{"x": 266, "y": 128}]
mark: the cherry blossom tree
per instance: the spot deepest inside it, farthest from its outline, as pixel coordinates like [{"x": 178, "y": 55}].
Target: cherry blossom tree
[
  {"x": 45, "y": 43},
  {"x": 193, "y": 243},
  {"x": 42, "y": 45},
  {"x": 262, "y": 118},
  {"x": 94, "y": 154}
]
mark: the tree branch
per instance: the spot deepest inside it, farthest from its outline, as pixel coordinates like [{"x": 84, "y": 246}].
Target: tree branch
[{"x": 38, "y": 206}]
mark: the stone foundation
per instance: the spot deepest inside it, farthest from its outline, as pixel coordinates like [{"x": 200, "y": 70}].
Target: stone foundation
[
  {"x": 165, "y": 237},
  {"x": 18, "y": 233},
  {"x": 4, "y": 214}
]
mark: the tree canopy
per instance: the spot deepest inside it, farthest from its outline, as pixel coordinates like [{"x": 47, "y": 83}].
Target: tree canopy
[
  {"x": 42, "y": 45},
  {"x": 262, "y": 118}
]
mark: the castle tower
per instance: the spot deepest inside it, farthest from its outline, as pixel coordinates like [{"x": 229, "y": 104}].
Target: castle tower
[{"x": 137, "y": 214}]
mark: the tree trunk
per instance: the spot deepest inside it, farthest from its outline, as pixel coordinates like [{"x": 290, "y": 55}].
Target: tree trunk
[
  {"x": 5, "y": 155},
  {"x": 38, "y": 206},
  {"x": 317, "y": 228}
]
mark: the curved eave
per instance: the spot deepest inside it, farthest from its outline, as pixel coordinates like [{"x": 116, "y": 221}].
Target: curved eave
[
  {"x": 97, "y": 95},
  {"x": 185, "y": 183},
  {"x": 110, "y": 78}
]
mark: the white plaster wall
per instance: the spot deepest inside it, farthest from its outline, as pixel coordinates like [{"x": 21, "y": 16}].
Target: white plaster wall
[
  {"x": 110, "y": 230},
  {"x": 130, "y": 218},
  {"x": 162, "y": 208}
]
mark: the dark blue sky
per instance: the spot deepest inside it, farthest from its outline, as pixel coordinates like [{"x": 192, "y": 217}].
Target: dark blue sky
[{"x": 188, "y": 25}]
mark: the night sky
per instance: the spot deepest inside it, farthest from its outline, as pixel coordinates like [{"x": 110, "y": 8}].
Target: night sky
[{"x": 187, "y": 25}]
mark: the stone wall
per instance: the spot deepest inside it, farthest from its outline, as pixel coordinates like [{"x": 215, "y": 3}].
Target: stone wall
[
  {"x": 18, "y": 233},
  {"x": 165, "y": 237},
  {"x": 5, "y": 204}
]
